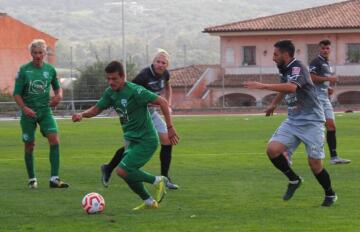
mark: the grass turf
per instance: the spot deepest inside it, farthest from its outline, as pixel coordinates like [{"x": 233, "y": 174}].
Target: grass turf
[{"x": 226, "y": 181}]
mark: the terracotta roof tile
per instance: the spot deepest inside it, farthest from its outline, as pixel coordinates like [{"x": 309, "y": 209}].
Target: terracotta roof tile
[
  {"x": 343, "y": 15},
  {"x": 187, "y": 76}
]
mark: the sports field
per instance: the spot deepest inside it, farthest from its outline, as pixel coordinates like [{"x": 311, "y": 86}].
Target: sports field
[{"x": 227, "y": 182}]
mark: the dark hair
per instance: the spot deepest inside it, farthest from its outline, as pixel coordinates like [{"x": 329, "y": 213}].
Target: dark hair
[
  {"x": 325, "y": 42},
  {"x": 115, "y": 66},
  {"x": 286, "y": 46}
]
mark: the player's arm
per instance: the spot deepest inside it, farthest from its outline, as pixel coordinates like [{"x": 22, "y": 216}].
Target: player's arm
[
  {"x": 275, "y": 102},
  {"x": 168, "y": 94},
  {"x": 58, "y": 96},
  {"x": 27, "y": 111},
  {"x": 164, "y": 106},
  {"x": 89, "y": 113},
  {"x": 288, "y": 87},
  {"x": 319, "y": 79}
]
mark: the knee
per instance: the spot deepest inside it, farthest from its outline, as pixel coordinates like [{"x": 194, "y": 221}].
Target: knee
[
  {"x": 316, "y": 166},
  {"x": 53, "y": 139},
  {"x": 29, "y": 147},
  {"x": 272, "y": 151},
  {"x": 121, "y": 172},
  {"x": 330, "y": 126}
]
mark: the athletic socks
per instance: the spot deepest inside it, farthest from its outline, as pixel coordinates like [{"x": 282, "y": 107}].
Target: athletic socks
[
  {"x": 331, "y": 141},
  {"x": 282, "y": 164},
  {"x": 119, "y": 154},
  {"x": 29, "y": 163},
  {"x": 323, "y": 178},
  {"x": 165, "y": 159},
  {"x": 54, "y": 159}
]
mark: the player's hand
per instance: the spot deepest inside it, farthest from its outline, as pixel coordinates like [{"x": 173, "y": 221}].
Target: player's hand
[
  {"x": 253, "y": 85},
  {"x": 55, "y": 100},
  {"x": 28, "y": 112},
  {"x": 270, "y": 110},
  {"x": 173, "y": 137},
  {"x": 76, "y": 117},
  {"x": 333, "y": 80}
]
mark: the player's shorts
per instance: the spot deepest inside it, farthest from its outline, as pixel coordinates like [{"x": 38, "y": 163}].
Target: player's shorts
[
  {"x": 327, "y": 107},
  {"x": 158, "y": 122},
  {"x": 46, "y": 121},
  {"x": 137, "y": 154},
  {"x": 311, "y": 134}
]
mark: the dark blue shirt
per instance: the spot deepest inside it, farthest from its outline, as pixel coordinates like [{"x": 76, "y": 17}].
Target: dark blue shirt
[{"x": 152, "y": 81}]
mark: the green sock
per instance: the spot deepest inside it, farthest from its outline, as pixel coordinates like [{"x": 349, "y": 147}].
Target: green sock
[
  {"x": 138, "y": 188},
  {"x": 29, "y": 163},
  {"x": 136, "y": 175},
  {"x": 54, "y": 159}
]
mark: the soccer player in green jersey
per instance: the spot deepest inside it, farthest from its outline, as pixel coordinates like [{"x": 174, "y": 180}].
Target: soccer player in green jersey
[
  {"x": 32, "y": 94},
  {"x": 130, "y": 101}
]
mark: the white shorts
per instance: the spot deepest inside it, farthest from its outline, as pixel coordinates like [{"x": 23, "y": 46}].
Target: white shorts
[
  {"x": 311, "y": 134},
  {"x": 159, "y": 123},
  {"x": 327, "y": 108}
]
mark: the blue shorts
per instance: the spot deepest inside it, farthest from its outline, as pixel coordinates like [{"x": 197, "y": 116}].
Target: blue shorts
[
  {"x": 311, "y": 134},
  {"x": 327, "y": 108}
]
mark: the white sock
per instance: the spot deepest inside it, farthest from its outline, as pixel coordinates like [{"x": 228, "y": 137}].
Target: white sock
[
  {"x": 53, "y": 178},
  {"x": 149, "y": 201},
  {"x": 157, "y": 179}
]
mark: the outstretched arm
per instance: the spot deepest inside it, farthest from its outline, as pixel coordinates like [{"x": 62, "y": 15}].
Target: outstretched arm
[
  {"x": 89, "y": 113},
  {"x": 319, "y": 79},
  {"x": 173, "y": 137},
  {"x": 288, "y": 87}
]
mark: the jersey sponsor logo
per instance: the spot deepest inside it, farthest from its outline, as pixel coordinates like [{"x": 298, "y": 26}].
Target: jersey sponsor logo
[
  {"x": 37, "y": 87},
  {"x": 295, "y": 71},
  {"x": 123, "y": 115},
  {"x": 46, "y": 75}
]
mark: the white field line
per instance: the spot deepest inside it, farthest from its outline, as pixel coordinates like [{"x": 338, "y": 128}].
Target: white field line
[{"x": 177, "y": 155}]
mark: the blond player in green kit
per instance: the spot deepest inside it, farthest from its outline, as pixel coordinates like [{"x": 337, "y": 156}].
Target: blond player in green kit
[
  {"x": 130, "y": 101},
  {"x": 32, "y": 94}
]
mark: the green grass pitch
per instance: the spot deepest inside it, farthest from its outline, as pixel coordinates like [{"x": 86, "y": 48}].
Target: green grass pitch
[{"x": 226, "y": 181}]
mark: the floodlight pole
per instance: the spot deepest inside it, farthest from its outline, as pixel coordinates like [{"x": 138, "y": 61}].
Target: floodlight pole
[
  {"x": 123, "y": 35},
  {"x": 72, "y": 81}
]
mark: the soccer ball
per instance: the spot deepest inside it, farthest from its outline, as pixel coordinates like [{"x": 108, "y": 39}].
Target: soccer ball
[{"x": 93, "y": 203}]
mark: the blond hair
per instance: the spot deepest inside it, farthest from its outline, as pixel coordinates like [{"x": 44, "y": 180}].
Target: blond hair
[
  {"x": 38, "y": 43},
  {"x": 163, "y": 53}
]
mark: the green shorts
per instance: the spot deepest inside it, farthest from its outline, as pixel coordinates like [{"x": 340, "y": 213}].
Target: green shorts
[
  {"x": 46, "y": 121},
  {"x": 137, "y": 154}
]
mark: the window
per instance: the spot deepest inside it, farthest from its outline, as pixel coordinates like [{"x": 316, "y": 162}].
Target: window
[
  {"x": 229, "y": 56},
  {"x": 249, "y": 55},
  {"x": 353, "y": 53},
  {"x": 312, "y": 52}
]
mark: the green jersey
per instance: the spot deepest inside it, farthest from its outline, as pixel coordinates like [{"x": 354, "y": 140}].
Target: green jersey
[
  {"x": 131, "y": 105},
  {"x": 33, "y": 85}
]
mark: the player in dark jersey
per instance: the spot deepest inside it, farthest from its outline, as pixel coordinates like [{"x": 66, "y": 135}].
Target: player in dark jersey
[
  {"x": 156, "y": 79},
  {"x": 130, "y": 101},
  {"x": 32, "y": 94},
  {"x": 323, "y": 76},
  {"x": 305, "y": 122}
]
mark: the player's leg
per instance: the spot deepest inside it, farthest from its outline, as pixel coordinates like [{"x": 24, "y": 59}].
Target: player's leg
[
  {"x": 49, "y": 129},
  {"x": 136, "y": 156},
  {"x": 28, "y": 127},
  {"x": 313, "y": 138},
  {"x": 107, "y": 169},
  {"x": 283, "y": 139},
  {"x": 166, "y": 148},
  {"x": 331, "y": 132}
]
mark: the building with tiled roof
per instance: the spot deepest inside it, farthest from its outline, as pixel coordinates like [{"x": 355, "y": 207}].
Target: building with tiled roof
[
  {"x": 15, "y": 38},
  {"x": 338, "y": 16},
  {"x": 246, "y": 49}
]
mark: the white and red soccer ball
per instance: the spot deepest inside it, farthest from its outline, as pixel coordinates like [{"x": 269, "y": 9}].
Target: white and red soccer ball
[{"x": 93, "y": 203}]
